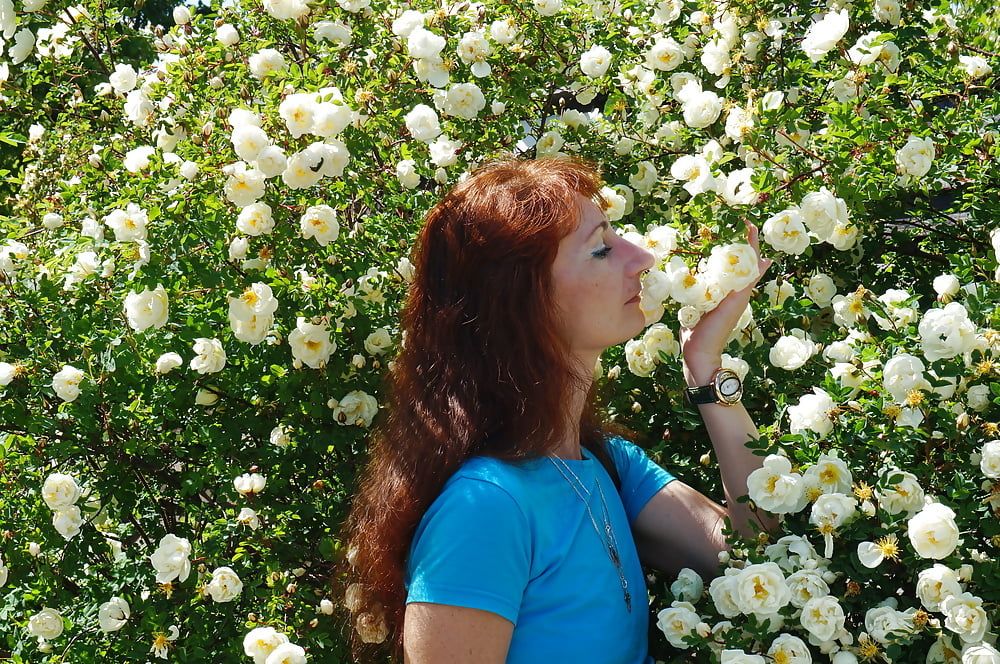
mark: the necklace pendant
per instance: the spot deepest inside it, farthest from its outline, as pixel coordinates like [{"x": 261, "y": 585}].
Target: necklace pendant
[
  {"x": 628, "y": 601},
  {"x": 615, "y": 558}
]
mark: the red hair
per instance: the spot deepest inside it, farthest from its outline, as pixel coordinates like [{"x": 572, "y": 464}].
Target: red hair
[{"x": 481, "y": 370}]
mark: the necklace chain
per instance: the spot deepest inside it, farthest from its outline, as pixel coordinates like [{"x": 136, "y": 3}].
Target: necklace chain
[{"x": 608, "y": 538}]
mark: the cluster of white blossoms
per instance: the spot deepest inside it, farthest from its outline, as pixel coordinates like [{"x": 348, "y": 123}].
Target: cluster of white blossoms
[
  {"x": 821, "y": 215},
  {"x": 642, "y": 355},
  {"x": 269, "y": 646},
  {"x": 60, "y": 492},
  {"x": 794, "y": 575}
]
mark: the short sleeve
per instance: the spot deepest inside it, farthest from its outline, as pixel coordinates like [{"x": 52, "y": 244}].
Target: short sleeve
[
  {"x": 472, "y": 549},
  {"x": 641, "y": 477}
]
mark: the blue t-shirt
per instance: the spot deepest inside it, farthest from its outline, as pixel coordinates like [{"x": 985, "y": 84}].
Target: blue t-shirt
[{"x": 516, "y": 540}]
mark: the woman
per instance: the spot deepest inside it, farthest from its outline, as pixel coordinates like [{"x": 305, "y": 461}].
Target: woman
[{"x": 486, "y": 527}]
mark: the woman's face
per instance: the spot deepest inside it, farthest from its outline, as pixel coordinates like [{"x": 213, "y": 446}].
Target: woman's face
[{"x": 596, "y": 281}]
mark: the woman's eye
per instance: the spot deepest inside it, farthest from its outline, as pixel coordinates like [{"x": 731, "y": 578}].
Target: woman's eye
[{"x": 602, "y": 252}]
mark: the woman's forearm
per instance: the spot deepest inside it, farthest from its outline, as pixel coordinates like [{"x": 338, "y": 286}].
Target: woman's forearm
[{"x": 730, "y": 428}]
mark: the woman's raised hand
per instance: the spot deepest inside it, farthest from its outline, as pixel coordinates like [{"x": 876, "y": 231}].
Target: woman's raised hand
[{"x": 708, "y": 337}]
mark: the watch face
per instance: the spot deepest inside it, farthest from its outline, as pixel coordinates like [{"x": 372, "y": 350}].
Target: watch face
[{"x": 730, "y": 386}]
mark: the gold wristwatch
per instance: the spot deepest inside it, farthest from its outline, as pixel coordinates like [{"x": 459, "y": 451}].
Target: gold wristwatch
[{"x": 724, "y": 388}]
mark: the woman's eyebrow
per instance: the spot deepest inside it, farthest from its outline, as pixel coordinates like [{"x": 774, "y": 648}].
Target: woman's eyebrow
[{"x": 603, "y": 224}]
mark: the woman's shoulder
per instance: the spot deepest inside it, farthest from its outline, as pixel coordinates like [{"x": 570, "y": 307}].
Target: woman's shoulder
[{"x": 488, "y": 476}]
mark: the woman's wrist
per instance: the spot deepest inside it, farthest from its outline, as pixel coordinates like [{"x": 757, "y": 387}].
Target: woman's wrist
[{"x": 698, "y": 369}]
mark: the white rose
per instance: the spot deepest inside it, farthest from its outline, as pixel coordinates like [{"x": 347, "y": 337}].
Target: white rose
[
  {"x": 357, "y": 407},
  {"x": 688, "y": 587},
  {"x": 761, "y": 590},
  {"x": 613, "y": 203},
  {"x": 181, "y": 15},
  {"x": 701, "y": 109},
  {"x": 974, "y": 66},
  {"x": 947, "y": 332},
  {"x": 933, "y": 532},
  {"x": 311, "y": 343},
  {"x": 792, "y": 351},
  {"x": 301, "y": 170},
  {"x": 785, "y": 232},
  {"x": 831, "y": 474},
  {"x": 935, "y": 584},
  {"x": 464, "y": 100},
  {"x": 271, "y": 161},
  {"x": 775, "y": 488},
  {"x": 113, "y": 614},
  {"x": 255, "y": 219},
  {"x": 820, "y": 289},
  {"x": 812, "y": 413},
  {"x": 833, "y": 510},
  {"x": 887, "y": 11},
  {"x": 640, "y": 361},
  {"x": 248, "y": 516},
  {"x": 320, "y": 222},
  {"x": 225, "y": 585},
  {"x": 422, "y": 123},
  {"x": 66, "y": 383},
  {"x": 595, "y": 61},
  {"x": 188, "y": 170},
  {"x": 822, "y": 617},
  {"x": 123, "y": 78},
  {"x": 824, "y": 34},
  {"x": 822, "y": 212},
  {"x": 266, "y": 61},
  {"x": 678, "y": 622},
  {"x": 695, "y": 172},
  {"x": 378, "y": 342},
  {"x": 60, "y": 490},
  {"x": 286, "y": 9},
  {"x": 227, "y": 34},
  {"x": 249, "y": 484},
  {"x": 659, "y": 338},
  {"x": 884, "y": 623},
  {"x": 248, "y": 140},
  {"x": 964, "y": 615},
  {"x": 171, "y": 559},
  {"x": 244, "y": 185},
  {"x": 806, "y": 584},
  {"x": 46, "y": 624},
  {"x": 261, "y": 642},
  {"x": 444, "y": 151},
  {"x": 168, "y": 362},
  {"x": 978, "y": 397},
  {"x": 422, "y": 44},
  {"x": 789, "y": 649},
  {"x": 297, "y": 111},
  {"x": 8, "y": 372},
  {"x": 737, "y": 364},
  {"x": 210, "y": 357},
  {"x": 137, "y": 159},
  {"x": 147, "y": 309},
  {"x": 904, "y": 495},
  {"x": 67, "y": 521},
  {"x": 722, "y": 590},
  {"x": 737, "y": 187},
  {"x": 406, "y": 173},
  {"x": 665, "y": 54},
  {"x": 989, "y": 461},
  {"x": 732, "y": 656},
  {"x": 732, "y": 266},
  {"x": 287, "y": 653},
  {"x": 980, "y": 653},
  {"x": 916, "y": 156},
  {"x": 903, "y": 374}
]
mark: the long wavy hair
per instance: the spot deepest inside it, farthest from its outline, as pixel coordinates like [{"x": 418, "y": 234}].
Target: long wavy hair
[{"x": 482, "y": 369}]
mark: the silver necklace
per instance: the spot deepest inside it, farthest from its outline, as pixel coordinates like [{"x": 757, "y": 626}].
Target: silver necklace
[{"x": 608, "y": 538}]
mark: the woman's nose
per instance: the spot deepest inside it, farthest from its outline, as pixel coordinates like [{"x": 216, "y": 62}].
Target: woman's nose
[{"x": 644, "y": 261}]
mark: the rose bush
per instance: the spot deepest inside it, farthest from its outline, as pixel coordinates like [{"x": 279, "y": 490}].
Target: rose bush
[{"x": 204, "y": 250}]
